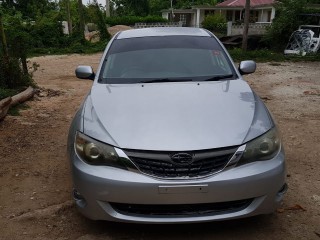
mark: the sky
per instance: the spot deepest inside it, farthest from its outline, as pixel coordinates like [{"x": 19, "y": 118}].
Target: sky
[{"x": 99, "y": 1}]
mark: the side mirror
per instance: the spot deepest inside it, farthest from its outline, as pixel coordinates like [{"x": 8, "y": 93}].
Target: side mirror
[
  {"x": 85, "y": 72},
  {"x": 247, "y": 67}
]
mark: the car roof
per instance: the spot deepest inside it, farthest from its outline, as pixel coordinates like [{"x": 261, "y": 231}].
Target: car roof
[{"x": 163, "y": 31}]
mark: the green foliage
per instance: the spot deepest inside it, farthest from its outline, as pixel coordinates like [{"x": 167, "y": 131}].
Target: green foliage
[
  {"x": 189, "y": 4},
  {"x": 74, "y": 13},
  {"x": 15, "y": 111},
  {"x": 215, "y": 23},
  {"x": 131, "y": 20},
  {"x": 30, "y": 9},
  {"x": 132, "y": 7},
  {"x": 46, "y": 32},
  {"x": 157, "y": 5},
  {"x": 285, "y": 22},
  {"x": 4, "y": 92},
  {"x": 75, "y": 47},
  {"x": 12, "y": 75},
  {"x": 101, "y": 23}
]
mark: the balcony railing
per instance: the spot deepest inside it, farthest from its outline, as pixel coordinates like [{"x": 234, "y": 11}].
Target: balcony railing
[
  {"x": 258, "y": 28},
  {"x": 161, "y": 24}
]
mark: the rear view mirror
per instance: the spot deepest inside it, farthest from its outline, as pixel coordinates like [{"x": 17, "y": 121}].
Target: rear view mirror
[
  {"x": 247, "y": 67},
  {"x": 85, "y": 72}
]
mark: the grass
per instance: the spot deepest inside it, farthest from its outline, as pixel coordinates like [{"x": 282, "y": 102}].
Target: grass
[
  {"x": 79, "y": 48},
  {"x": 15, "y": 111},
  {"x": 265, "y": 55}
]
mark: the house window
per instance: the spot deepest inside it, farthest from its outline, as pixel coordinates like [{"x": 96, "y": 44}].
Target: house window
[
  {"x": 208, "y": 12},
  {"x": 269, "y": 16},
  {"x": 183, "y": 19},
  {"x": 237, "y": 15},
  {"x": 254, "y": 16},
  {"x": 229, "y": 15}
]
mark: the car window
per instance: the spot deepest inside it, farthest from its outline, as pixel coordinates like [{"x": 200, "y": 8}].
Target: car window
[{"x": 163, "y": 57}]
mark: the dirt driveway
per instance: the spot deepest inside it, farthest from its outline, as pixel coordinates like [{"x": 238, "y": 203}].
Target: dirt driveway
[{"x": 35, "y": 186}]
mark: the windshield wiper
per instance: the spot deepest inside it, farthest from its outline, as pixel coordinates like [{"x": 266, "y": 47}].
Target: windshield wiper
[
  {"x": 167, "y": 80},
  {"x": 219, "y": 77}
]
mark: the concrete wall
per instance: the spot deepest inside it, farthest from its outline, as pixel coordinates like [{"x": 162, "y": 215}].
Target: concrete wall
[
  {"x": 165, "y": 15},
  {"x": 254, "y": 29}
]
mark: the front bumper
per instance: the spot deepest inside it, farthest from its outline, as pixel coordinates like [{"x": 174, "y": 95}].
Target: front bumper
[{"x": 98, "y": 186}]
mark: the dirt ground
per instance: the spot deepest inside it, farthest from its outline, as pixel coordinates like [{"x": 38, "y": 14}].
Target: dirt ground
[{"x": 35, "y": 180}]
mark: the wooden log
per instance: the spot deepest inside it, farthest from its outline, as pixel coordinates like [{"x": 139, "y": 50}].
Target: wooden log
[
  {"x": 22, "y": 97},
  {"x": 4, "y": 106},
  {"x": 6, "y": 103}
]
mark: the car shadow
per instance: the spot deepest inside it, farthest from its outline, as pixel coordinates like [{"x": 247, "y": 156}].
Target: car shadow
[{"x": 249, "y": 228}]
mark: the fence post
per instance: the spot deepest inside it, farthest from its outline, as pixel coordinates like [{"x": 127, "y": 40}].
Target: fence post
[{"x": 229, "y": 29}]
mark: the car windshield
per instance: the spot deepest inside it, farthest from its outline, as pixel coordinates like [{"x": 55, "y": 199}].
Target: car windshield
[{"x": 168, "y": 58}]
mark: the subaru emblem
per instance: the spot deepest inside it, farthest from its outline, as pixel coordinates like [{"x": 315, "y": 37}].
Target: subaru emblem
[{"x": 182, "y": 158}]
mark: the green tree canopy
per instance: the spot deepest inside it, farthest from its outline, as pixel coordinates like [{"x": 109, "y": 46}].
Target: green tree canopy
[{"x": 286, "y": 21}]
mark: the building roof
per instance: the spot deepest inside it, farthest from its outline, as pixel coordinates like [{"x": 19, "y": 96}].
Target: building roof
[
  {"x": 242, "y": 3},
  {"x": 163, "y": 31}
]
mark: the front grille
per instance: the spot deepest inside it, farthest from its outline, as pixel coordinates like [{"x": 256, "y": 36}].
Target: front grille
[
  {"x": 181, "y": 210},
  {"x": 160, "y": 164}
]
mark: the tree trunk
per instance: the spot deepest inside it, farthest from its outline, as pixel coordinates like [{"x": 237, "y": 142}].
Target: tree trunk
[
  {"x": 3, "y": 39},
  {"x": 246, "y": 26},
  {"x": 22, "y": 97},
  {"x": 24, "y": 65},
  {"x": 81, "y": 18},
  {"x": 69, "y": 18}
]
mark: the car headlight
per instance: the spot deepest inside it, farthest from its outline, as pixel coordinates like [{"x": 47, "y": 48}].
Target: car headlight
[
  {"x": 96, "y": 153},
  {"x": 262, "y": 148}
]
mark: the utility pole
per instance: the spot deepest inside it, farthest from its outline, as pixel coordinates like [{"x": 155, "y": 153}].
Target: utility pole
[
  {"x": 246, "y": 26},
  {"x": 108, "y": 8},
  {"x": 172, "y": 14}
]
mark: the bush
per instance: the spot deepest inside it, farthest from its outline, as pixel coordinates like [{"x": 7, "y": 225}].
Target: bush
[
  {"x": 4, "y": 93},
  {"x": 131, "y": 20},
  {"x": 215, "y": 23},
  {"x": 47, "y": 33},
  {"x": 12, "y": 75},
  {"x": 285, "y": 22}
]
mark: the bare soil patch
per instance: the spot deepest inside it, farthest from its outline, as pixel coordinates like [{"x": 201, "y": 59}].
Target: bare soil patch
[{"x": 35, "y": 179}]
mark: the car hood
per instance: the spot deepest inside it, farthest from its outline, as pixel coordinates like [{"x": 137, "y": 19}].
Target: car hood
[{"x": 171, "y": 116}]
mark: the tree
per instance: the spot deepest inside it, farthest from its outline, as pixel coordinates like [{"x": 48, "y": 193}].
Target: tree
[
  {"x": 246, "y": 26},
  {"x": 286, "y": 21},
  {"x": 14, "y": 41},
  {"x": 101, "y": 22},
  {"x": 157, "y": 5},
  {"x": 81, "y": 19},
  {"x": 132, "y": 7},
  {"x": 30, "y": 8}
]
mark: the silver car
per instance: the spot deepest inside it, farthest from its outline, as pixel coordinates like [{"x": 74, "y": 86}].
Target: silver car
[{"x": 171, "y": 133}]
